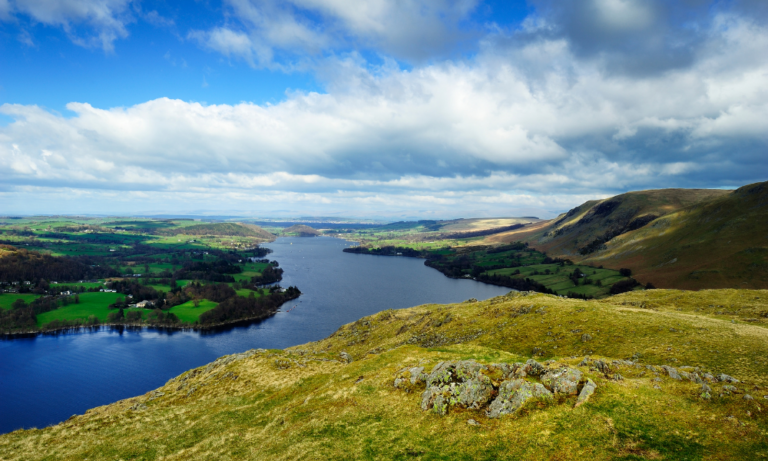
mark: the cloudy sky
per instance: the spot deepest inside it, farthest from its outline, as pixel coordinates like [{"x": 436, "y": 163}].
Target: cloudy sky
[{"x": 375, "y": 108}]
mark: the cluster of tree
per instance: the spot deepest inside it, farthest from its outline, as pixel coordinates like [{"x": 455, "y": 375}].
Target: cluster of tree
[
  {"x": 453, "y": 266},
  {"x": 154, "y": 317},
  {"x": 623, "y": 286},
  {"x": 385, "y": 251},
  {"x": 213, "y": 292},
  {"x": 58, "y": 324},
  {"x": 218, "y": 271},
  {"x": 269, "y": 275},
  {"x": 18, "y": 264},
  {"x": 239, "y": 307},
  {"x": 137, "y": 291},
  {"x": 23, "y": 316},
  {"x": 517, "y": 246},
  {"x": 514, "y": 282}
]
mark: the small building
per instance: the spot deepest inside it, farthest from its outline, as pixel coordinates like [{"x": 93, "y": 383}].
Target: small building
[{"x": 143, "y": 304}]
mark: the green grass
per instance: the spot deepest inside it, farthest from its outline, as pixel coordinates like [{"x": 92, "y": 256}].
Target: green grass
[
  {"x": 90, "y": 304},
  {"x": 7, "y": 299},
  {"x": 187, "y": 312}
]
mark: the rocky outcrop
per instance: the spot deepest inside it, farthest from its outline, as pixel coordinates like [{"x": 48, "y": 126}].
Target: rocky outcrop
[{"x": 499, "y": 389}]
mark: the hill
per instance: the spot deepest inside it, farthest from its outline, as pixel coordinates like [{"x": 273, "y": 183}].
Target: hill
[
  {"x": 221, "y": 229},
  {"x": 301, "y": 230},
  {"x": 673, "y": 238},
  {"x": 671, "y": 372}
]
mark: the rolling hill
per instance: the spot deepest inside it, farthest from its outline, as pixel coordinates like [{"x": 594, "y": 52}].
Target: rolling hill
[
  {"x": 220, "y": 229},
  {"x": 301, "y": 230},
  {"x": 675, "y": 374},
  {"x": 673, "y": 238}
]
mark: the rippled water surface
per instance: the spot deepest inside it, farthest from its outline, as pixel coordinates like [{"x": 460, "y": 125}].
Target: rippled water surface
[{"x": 46, "y": 379}]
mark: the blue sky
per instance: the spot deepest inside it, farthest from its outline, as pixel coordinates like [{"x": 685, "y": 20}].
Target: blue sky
[{"x": 377, "y": 108}]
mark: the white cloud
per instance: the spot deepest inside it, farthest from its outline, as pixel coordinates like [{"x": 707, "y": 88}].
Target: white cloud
[
  {"x": 514, "y": 123},
  {"x": 107, "y": 18}
]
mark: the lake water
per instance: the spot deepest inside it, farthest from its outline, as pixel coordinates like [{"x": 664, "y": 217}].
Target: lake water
[{"x": 46, "y": 379}]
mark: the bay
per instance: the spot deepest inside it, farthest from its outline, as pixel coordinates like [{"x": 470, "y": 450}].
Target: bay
[{"x": 46, "y": 379}]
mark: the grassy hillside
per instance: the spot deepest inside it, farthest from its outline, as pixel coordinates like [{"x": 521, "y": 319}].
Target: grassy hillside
[
  {"x": 673, "y": 238},
  {"x": 221, "y": 229},
  {"x": 301, "y": 230},
  {"x": 309, "y": 403}
]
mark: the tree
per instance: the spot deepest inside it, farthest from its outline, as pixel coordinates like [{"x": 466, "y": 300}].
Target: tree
[
  {"x": 19, "y": 304},
  {"x": 625, "y": 272},
  {"x": 77, "y": 299}
]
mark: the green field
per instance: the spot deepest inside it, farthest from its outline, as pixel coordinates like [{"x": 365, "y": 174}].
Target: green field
[
  {"x": 90, "y": 304},
  {"x": 7, "y": 299},
  {"x": 187, "y": 312}
]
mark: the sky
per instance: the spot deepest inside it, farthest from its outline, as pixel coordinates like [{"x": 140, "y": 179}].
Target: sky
[{"x": 388, "y": 109}]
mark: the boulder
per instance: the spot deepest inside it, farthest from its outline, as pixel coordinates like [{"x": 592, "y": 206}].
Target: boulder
[
  {"x": 463, "y": 383},
  {"x": 562, "y": 381},
  {"x": 723, "y": 378},
  {"x": 408, "y": 378},
  {"x": 514, "y": 394},
  {"x": 586, "y": 391},
  {"x": 586, "y": 337},
  {"x": 602, "y": 366},
  {"x": 533, "y": 368},
  {"x": 672, "y": 372},
  {"x": 344, "y": 357}
]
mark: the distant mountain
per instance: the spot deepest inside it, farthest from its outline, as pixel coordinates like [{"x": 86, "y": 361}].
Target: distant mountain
[
  {"x": 301, "y": 230},
  {"x": 673, "y": 238}
]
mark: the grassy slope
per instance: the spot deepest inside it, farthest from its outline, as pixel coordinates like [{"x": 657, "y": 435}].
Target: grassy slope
[
  {"x": 223, "y": 229},
  {"x": 301, "y": 229},
  {"x": 301, "y": 404},
  {"x": 702, "y": 238},
  {"x": 717, "y": 244}
]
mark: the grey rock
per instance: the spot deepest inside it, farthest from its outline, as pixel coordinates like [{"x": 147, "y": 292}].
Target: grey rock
[
  {"x": 618, "y": 377},
  {"x": 708, "y": 377},
  {"x": 748, "y": 397},
  {"x": 722, "y": 377},
  {"x": 344, "y": 357},
  {"x": 705, "y": 388},
  {"x": 584, "y": 363},
  {"x": 472, "y": 422},
  {"x": 672, "y": 372},
  {"x": 586, "y": 392},
  {"x": 459, "y": 383},
  {"x": 533, "y": 368},
  {"x": 694, "y": 377},
  {"x": 730, "y": 389},
  {"x": 409, "y": 377},
  {"x": 562, "y": 381},
  {"x": 138, "y": 407},
  {"x": 586, "y": 337},
  {"x": 514, "y": 394},
  {"x": 602, "y": 367}
]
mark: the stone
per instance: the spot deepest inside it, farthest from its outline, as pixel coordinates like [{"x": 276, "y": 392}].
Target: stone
[
  {"x": 586, "y": 337},
  {"x": 472, "y": 422},
  {"x": 408, "y": 378},
  {"x": 584, "y": 363},
  {"x": 651, "y": 368},
  {"x": 722, "y": 377},
  {"x": 708, "y": 377},
  {"x": 586, "y": 392},
  {"x": 562, "y": 381},
  {"x": 461, "y": 383},
  {"x": 694, "y": 377},
  {"x": 672, "y": 372},
  {"x": 730, "y": 389},
  {"x": 344, "y": 357},
  {"x": 533, "y": 368},
  {"x": 748, "y": 397},
  {"x": 514, "y": 394},
  {"x": 705, "y": 388},
  {"x": 602, "y": 367},
  {"x": 537, "y": 352}
]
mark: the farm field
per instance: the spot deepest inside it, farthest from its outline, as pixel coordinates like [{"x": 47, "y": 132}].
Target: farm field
[
  {"x": 7, "y": 299},
  {"x": 187, "y": 312},
  {"x": 90, "y": 304}
]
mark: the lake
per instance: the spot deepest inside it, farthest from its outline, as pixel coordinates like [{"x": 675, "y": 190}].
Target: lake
[{"x": 46, "y": 379}]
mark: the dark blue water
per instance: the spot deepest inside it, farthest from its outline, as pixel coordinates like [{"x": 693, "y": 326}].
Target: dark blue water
[{"x": 46, "y": 379}]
